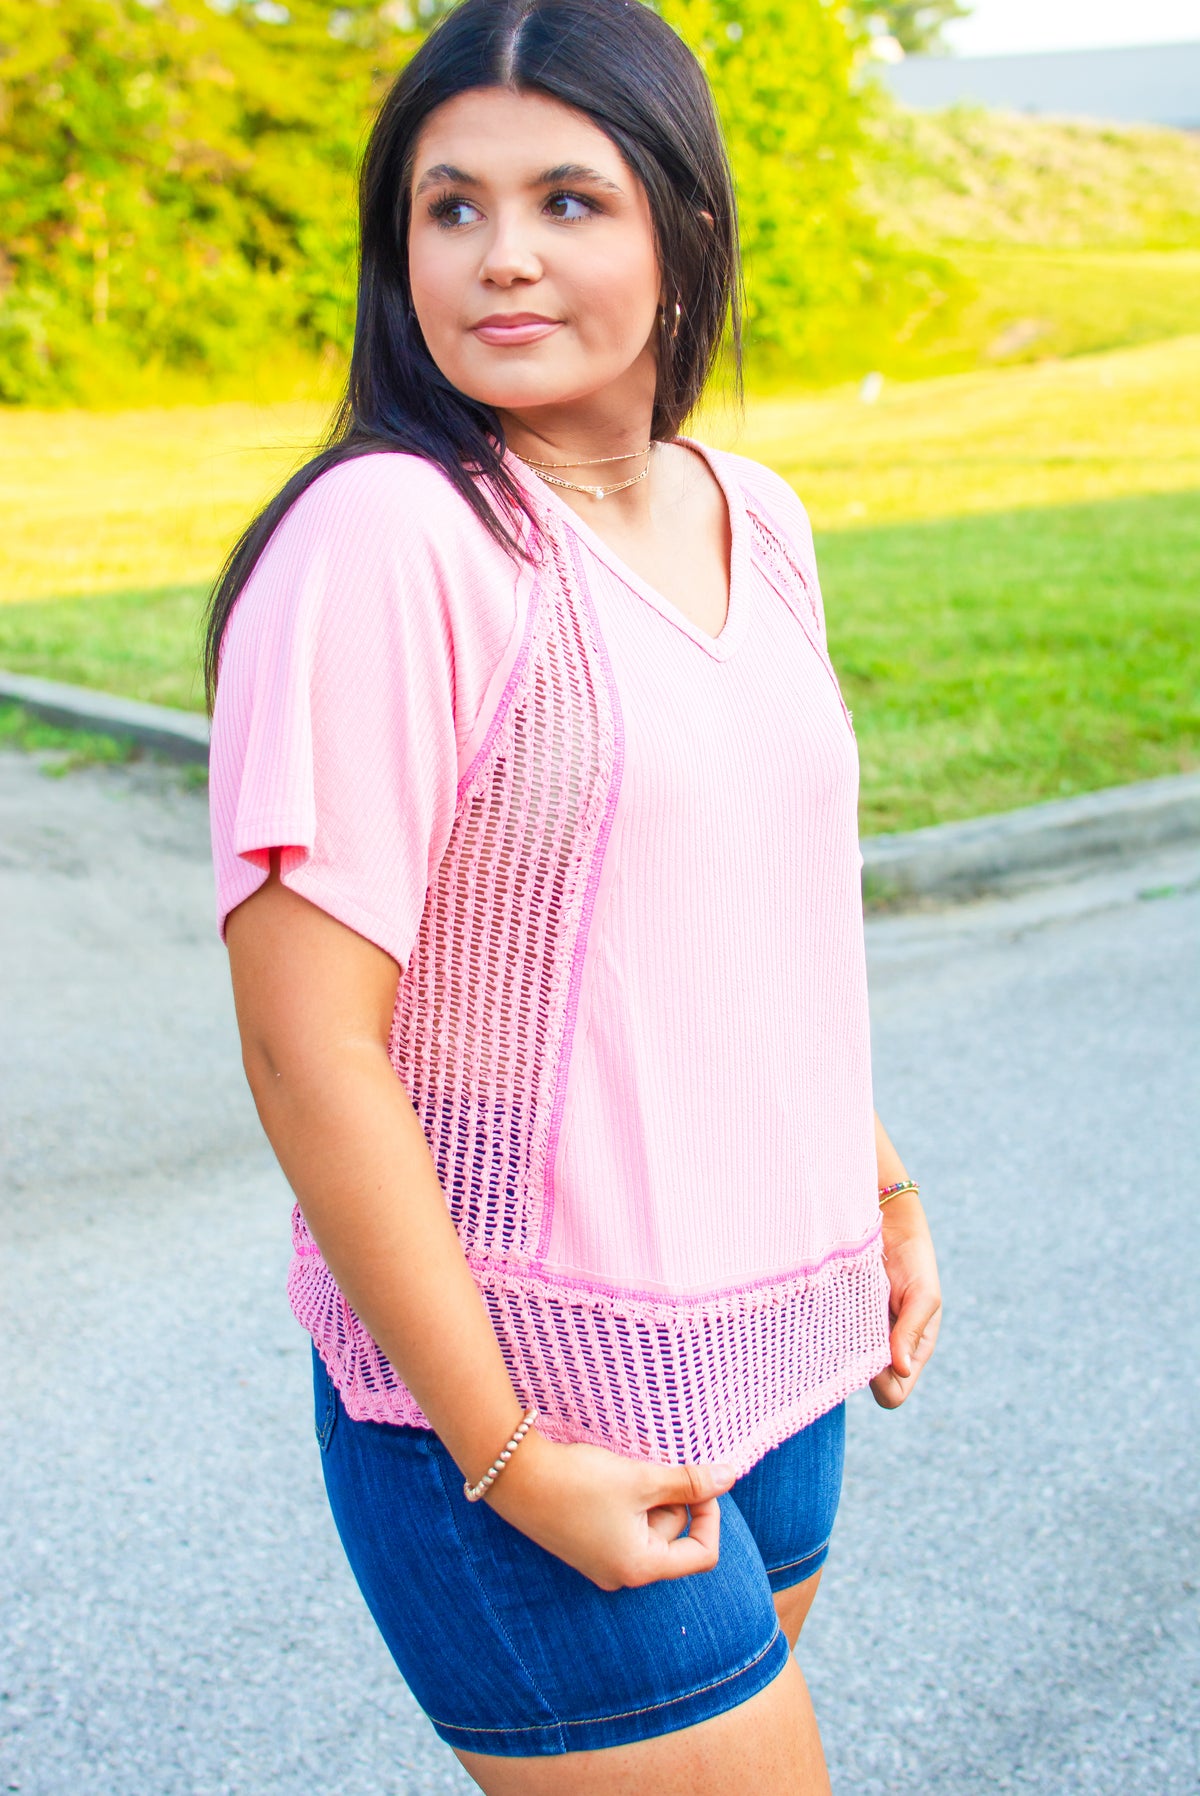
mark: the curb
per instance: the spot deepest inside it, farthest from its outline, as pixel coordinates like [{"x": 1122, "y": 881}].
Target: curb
[
  {"x": 179, "y": 735},
  {"x": 1037, "y": 842},
  {"x": 946, "y": 861}
]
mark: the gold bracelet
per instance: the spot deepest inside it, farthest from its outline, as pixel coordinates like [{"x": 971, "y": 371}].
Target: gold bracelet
[
  {"x": 899, "y": 1189},
  {"x": 473, "y": 1492}
]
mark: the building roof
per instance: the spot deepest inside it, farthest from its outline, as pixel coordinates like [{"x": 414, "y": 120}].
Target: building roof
[{"x": 1153, "y": 84}]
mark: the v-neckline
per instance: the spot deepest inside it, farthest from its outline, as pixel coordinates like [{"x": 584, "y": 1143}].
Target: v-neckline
[{"x": 719, "y": 647}]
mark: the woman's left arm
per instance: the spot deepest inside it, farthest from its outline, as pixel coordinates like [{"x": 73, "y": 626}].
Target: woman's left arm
[{"x": 915, "y": 1303}]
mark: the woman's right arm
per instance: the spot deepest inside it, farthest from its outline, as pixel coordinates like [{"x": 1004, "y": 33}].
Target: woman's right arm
[{"x": 314, "y": 1005}]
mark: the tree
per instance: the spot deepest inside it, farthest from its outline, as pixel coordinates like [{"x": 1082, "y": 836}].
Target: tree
[
  {"x": 176, "y": 179},
  {"x": 827, "y": 291},
  {"x": 783, "y": 73},
  {"x": 916, "y": 25}
]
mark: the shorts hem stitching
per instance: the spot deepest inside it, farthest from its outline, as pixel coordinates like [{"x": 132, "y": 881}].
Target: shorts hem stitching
[
  {"x": 804, "y": 1559},
  {"x": 620, "y": 1714}
]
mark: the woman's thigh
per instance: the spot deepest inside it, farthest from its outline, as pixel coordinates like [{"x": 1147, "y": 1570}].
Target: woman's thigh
[
  {"x": 510, "y": 1652},
  {"x": 792, "y": 1607},
  {"x": 768, "y": 1745}
]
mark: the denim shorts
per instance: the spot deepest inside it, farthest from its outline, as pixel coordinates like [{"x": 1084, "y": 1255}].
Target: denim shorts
[{"x": 510, "y": 1651}]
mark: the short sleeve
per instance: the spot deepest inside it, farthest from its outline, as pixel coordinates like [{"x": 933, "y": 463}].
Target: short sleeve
[{"x": 338, "y": 714}]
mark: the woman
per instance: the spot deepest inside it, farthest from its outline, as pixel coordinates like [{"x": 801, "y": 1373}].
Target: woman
[{"x": 534, "y": 821}]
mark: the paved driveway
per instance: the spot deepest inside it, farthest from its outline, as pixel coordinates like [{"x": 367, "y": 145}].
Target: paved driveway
[{"x": 1011, "y": 1603}]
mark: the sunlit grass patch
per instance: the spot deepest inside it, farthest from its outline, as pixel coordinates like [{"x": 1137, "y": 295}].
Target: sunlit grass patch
[
  {"x": 143, "y": 645},
  {"x": 1056, "y": 433},
  {"x": 99, "y": 502},
  {"x": 111, "y": 501}
]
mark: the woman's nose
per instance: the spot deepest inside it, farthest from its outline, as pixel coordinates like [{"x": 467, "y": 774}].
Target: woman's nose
[{"x": 510, "y": 255}]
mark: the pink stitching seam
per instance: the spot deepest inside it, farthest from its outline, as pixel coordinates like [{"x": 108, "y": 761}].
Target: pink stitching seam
[
  {"x": 545, "y": 1277},
  {"x": 583, "y": 932}
]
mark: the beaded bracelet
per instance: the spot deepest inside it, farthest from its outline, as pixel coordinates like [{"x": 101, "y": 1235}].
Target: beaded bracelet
[
  {"x": 473, "y": 1492},
  {"x": 888, "y": 1192}
]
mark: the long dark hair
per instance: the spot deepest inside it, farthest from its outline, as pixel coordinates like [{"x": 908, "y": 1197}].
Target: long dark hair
[{"x": 622, "y": 66}]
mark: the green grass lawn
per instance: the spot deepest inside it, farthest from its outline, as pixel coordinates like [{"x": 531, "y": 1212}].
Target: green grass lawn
[
  {"x": 143, "y": 644},
  {"x": 989, "y": 660},
  {"x": 993, "y": 661},
  {"x": 135, "y": 501}
]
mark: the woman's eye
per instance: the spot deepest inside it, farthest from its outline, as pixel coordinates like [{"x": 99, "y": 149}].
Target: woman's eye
[
  {"x": 451, "y": 212},
  {"x": 569, "y": 206}
]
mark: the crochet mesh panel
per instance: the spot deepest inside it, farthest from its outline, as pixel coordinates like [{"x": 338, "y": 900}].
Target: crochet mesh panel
[
  {"x": 795, "y": 585},
  {"x": 483, "y": 1009},
  {"x": 711, "y": 1378},
  {"x": 486, "y": 1001}
]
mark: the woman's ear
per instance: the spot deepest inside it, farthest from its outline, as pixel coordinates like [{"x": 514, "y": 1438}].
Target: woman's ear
[{"x": 708, "y": 218}]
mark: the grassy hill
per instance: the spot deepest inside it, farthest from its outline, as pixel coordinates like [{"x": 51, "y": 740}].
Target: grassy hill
[
  {"x": 971, "y": 175},
  {"x": 1054, "y": 237}
]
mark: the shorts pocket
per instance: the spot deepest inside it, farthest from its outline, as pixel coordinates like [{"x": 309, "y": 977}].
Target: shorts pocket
[{"x": 325, "y": 1402}]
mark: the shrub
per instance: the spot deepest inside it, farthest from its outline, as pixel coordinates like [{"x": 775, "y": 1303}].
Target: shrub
[{"x": 176, "y": 180}]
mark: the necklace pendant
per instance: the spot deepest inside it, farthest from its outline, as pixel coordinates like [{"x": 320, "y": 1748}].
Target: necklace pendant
[{"x": 598, "y": 492}]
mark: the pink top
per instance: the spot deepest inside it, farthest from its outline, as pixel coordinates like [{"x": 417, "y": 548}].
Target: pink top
[{"x": 617, "y": 861}]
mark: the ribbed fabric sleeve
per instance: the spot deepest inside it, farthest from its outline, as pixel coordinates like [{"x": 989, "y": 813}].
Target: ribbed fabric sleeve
[{"x": 353, "y": 669}]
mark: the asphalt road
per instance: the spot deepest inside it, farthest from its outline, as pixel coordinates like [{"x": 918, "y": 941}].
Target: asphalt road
[{"x": 1011, "y": 1603}]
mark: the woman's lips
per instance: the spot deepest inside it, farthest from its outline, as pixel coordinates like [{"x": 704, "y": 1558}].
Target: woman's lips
[{"x": 521, "y": 327}]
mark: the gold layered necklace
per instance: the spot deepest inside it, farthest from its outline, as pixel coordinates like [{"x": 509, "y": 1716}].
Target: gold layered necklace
[{"x": 577, "y": 486}]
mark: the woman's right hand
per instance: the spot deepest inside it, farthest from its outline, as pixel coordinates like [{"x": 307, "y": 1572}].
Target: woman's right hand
[{"x": 618, "y": 1521}]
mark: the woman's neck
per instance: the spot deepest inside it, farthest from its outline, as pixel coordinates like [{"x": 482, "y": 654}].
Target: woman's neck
[
  {"x": 576, "y": 455},
  {"x": 574, "y": 445}
]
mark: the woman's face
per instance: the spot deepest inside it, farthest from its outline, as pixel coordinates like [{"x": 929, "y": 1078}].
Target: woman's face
[{"x": 532, "y": 260}]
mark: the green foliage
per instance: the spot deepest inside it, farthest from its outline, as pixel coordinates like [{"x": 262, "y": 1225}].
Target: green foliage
[
  {"x": 177, "y": 198},
  {"x": 176, "y": 179},
  {"x": 916, "y": 25},
  {"x": 785, "y": 74}
]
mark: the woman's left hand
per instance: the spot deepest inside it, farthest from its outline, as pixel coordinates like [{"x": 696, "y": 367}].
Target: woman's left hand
[{"x": 915, "y": 1305}]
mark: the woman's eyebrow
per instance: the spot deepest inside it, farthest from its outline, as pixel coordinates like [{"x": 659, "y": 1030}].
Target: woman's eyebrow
[
  {"x": 440, "y": 173},
  {"x": 575, "y": 171},
  {"x": 443, "y": 172}
]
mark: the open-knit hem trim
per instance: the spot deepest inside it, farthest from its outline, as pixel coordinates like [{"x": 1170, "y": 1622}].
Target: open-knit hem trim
[{"x": 723, "y": 1380}]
